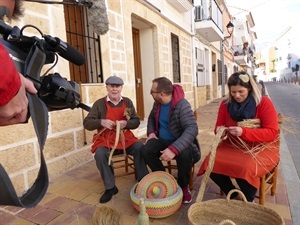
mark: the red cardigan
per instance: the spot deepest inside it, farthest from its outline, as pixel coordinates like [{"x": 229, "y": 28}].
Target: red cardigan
[{"x": 10, "y": 82}]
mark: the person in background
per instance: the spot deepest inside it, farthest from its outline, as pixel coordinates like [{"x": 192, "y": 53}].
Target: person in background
[
  {"x": 102, "y": 117},
  {"x": 235, "y": 157},
  {"x": 13, "y": 86},
  {"x": 172, "y": 132}
]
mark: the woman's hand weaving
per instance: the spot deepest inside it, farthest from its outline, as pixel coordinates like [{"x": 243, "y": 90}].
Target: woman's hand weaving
[{"x": 235, "y": 131}]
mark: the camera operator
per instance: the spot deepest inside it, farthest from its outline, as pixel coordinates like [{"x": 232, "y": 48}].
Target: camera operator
[{"x": 13, "y": 86}]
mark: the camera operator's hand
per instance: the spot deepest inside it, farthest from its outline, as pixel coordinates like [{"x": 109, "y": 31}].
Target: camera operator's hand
[{"x": 16, "y": 110}]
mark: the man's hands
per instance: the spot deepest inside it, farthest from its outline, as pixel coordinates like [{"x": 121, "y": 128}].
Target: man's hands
[
  {"x": 167, "y": 155},
  {"x": 109, "y": 124},
  {"x": 152, "y": 135},
  {"x": 17, "y": 109}
]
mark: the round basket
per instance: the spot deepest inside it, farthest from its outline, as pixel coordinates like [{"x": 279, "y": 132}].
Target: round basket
[
  {"x": 161, "y": 193},
  {"x": 214, "y": 212}
]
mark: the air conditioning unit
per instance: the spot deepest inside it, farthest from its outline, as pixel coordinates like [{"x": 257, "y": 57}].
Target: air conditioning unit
[{"x": 198, "y": 13}]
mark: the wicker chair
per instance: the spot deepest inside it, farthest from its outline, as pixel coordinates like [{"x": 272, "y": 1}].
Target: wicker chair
[{"x": 268, "y": 182}]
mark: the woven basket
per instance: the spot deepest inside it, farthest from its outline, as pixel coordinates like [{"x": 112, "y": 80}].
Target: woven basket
[
  {"x": 161, "y": 193},
  {"x": 226, "y": 211}
]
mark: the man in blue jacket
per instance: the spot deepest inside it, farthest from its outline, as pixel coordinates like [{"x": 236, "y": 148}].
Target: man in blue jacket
[{"x": 172, "y": 132}]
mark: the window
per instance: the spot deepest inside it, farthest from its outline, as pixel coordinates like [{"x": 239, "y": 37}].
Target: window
[
  {"x": 200, "y": 73},
  {"x": 219, "y": 72},
  {"x": 175, "y": 58},
  {"x": 86, "y": 42}
]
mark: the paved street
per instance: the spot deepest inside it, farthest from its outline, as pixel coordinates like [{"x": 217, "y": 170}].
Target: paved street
[{"x": 286, "y": 98}]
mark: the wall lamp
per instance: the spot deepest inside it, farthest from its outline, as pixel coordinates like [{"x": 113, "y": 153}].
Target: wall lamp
[{"x": 230, "y": 28}]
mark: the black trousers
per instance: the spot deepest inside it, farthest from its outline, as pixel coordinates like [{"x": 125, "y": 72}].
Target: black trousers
[
  {"x": 151, "y": 152},
  {"x": 226, "y": 185}
]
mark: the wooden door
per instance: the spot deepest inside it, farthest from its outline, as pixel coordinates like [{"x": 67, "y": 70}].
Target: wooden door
[{"x": 138, "y": 73}]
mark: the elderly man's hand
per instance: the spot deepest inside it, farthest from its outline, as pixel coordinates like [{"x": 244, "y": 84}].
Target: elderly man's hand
[
  {"x": 109, "y": 124},
  {"x": 123, "y": 124},
  {"x": 17, "y": 109}
]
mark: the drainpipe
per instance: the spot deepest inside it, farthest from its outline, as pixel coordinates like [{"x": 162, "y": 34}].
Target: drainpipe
[{"x": 223, "y": 67}]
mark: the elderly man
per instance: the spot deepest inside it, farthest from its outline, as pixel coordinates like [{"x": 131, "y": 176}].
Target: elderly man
[
  {"x": 102, "y": 117},
  {"x": 172, "y": 132}
]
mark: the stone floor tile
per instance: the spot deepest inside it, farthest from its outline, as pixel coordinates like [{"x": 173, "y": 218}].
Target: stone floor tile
[
  {"x": 28, "y": 213},
  {"x": 20, "y": 221},
  {"x": 45, "y": 216},
  {"x": 69, "y": 206},
  {"x": 66, "y": 219},
  {"x": 56, "y": 202},
  {"x": 7, "y": 218},
  {"x": 78, "y": 194},
  {"x": 92, "y": 199},
  {"x": 283, "y": 211}
]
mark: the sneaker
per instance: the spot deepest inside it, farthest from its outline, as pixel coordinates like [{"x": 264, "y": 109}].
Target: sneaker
[
  {"x": 108, "y": 194},
  {"x": 187, "y": 196}
]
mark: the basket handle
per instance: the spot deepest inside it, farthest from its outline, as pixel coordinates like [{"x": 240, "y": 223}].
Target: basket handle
[
  {"x": 211, "y": 162},
  {"x": 238, "y": 191},
  {"x": 227, "y": 222}
]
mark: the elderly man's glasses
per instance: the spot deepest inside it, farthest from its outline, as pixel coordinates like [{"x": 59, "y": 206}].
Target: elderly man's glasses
[{"x": 151, "y": 91}]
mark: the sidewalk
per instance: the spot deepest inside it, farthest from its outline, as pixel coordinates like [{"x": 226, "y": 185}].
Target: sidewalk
[{"x": 72, "y": 197}]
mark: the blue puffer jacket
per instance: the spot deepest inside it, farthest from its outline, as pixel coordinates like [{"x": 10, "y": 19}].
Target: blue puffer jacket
[{"x": 182, "y": 123}]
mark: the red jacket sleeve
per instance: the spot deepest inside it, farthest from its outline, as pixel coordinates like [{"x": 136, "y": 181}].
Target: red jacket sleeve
[
  {"x": 269, "y": 123},
  {"x": 10, "y": 82}
]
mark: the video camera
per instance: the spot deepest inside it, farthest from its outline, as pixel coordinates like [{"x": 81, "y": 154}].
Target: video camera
[{"x": 30, "y": 54}]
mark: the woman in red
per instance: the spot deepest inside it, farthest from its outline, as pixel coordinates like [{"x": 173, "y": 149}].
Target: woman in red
[{"x": 232, "y": 159}]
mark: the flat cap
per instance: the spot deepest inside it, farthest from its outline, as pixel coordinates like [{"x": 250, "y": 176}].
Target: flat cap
[{"x": 114, "y": 80}]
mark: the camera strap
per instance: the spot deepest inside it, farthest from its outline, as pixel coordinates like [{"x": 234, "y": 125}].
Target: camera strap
[
  {"x": 39, "y": 115},
  {"x": 33, "y": 196}
]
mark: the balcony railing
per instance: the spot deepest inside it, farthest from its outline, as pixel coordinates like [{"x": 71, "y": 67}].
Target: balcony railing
[
  {"x": 209, "y": 21},
  {"x": 241, "y": 50}
]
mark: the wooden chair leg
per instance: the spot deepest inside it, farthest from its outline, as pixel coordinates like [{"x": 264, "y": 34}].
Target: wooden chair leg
[
  {"x": 191, "y": 183},
  {"x": 262, "y": 192},
  {"x": 169, "y": 167},
  {"x": 126, "y": 164},
  {"x": 274, "y": 181}
]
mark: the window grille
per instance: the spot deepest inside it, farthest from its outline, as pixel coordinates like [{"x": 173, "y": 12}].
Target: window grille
[{"x": 81, "y": 37}]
